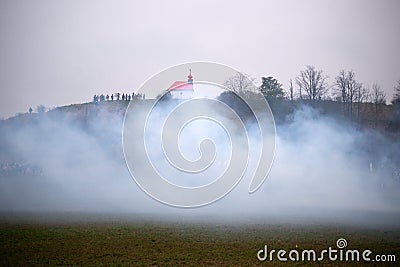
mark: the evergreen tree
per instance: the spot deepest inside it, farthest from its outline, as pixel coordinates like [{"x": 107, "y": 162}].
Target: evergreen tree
[{"x": 271, "y": 88}]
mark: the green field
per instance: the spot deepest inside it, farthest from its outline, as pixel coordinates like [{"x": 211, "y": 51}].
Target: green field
[{"x": 93, "y": 241}]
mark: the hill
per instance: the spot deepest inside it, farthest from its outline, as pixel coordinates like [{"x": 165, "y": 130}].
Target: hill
[
  {"x": 77, "y": 125},
  {"x": 71, "y": 158}
]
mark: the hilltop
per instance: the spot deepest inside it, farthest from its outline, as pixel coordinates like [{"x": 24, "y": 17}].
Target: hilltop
[{"x": 384, "y": 118}]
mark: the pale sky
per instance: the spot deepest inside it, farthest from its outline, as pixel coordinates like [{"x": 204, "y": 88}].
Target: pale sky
[{"x": 62, "y": 52}]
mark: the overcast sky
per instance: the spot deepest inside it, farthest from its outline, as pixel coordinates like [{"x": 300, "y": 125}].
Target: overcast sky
[{"x": 61, "y": 52}]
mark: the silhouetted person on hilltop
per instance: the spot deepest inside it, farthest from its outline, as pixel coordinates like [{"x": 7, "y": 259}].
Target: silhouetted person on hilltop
[
  {"x": 112, "y": 97},
  {"x": 107, "y": 97},
  {"x": 123, "y": 96},
  {"x": 95, "y": 99},
  {"x": 30, "y": 110}
]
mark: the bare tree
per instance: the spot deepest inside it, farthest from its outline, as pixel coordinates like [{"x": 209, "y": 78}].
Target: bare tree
[
  {"x": 340, "y": 82},
  {"x": 313, "y": 82},
  {"x": 379, "y": 98},
  {"x": 352, "y": 87},
  {"x": 291, "y": 90},
  {"x": 349, "y": 90},
  {"x": 300, "y": 95},
  {"x": 240, "y": 83},
  {"x": 362, "y": 96},
  {"x": 395, "y": 120},
  {"x": 396, "y": 96}
]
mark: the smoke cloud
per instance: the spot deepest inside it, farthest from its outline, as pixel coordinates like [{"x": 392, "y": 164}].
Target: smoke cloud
[{"x": 324, "y": 169}]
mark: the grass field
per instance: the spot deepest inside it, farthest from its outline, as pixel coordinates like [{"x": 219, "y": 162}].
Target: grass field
[{"x": 142, "y": 242}]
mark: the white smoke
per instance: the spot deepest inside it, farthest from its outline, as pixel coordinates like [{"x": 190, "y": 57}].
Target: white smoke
[{"x": 321, "y": 171}]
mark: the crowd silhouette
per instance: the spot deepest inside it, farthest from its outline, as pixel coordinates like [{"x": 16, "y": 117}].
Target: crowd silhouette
[{"x": 117, "y": 96}]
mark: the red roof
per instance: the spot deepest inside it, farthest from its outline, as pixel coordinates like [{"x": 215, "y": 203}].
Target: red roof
[{"x": 181, "y": 85}]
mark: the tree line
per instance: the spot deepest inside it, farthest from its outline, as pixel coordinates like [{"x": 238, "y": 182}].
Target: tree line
[{"x": 312, "y": 86}]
